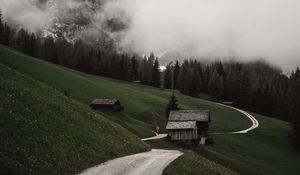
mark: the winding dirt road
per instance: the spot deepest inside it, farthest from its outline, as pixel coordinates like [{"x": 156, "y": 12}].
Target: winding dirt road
[
  {"x": 148, "y": 163},
  {"x": 154, "y": 161},
  {"x": 254, "y": 125}
]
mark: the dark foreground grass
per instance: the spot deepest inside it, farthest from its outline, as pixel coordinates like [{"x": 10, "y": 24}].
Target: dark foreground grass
[
  {"x": 44, "y": 132},
  {"x": 144, "y": 105}
]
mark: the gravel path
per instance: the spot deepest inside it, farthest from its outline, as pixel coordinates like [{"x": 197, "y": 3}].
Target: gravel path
[
  {"x": 154, "y": 161},
  {"x": 158, "y": 136},
  {"x": 254, "y": 125},
  {"x": 148, "y": 163}
]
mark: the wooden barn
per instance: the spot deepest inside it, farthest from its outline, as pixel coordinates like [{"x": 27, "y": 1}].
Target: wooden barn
[
  {"x": 109, "y": 104},
  {"x": 189, "y": 126}
]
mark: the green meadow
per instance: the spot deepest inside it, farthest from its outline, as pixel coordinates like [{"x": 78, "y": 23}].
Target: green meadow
[{"x": 265, "y": 150}]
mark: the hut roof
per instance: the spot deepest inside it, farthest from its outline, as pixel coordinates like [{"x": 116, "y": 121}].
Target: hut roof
[
  {"x": 190, "y": 115},
  {"x": 181, "y": 125},
  {"x": 104, "y": 101}
]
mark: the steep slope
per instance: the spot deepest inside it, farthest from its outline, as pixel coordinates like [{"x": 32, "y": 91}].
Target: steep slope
[{"x": 44, "y": 132}]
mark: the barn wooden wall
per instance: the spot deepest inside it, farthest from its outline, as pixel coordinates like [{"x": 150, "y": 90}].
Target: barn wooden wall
[{"x": 187, "y": 134}]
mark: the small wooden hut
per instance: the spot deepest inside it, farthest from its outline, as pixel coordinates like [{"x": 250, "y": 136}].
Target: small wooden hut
[
  {"x": 188, "y": 126},
  {"x": 109, "y": 104}
]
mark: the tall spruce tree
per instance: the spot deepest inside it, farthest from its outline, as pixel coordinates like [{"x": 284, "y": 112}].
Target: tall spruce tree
[
  {"x": 230, "y": 85},
  {"x": 172, "y": 105},
  {"x": 216, "y": 85},
  {"x": 1, "y": 27},
  {"x": 156, "y": 74},
  {"x": 184, "y": 78},
  {"x": 168, "y": 77},
  {"x": 7, "y": 35},
  {"x": 176, "y": 74}
]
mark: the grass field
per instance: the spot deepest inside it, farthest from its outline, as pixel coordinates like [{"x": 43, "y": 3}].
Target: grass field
[
  {"x": 263, "y": 151},
  {"x": 144, "y": 105},
  {"x": 44, "y": 132}
]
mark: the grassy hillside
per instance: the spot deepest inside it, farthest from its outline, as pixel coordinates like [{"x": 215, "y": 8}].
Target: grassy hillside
[
  {"x": 263, "y": 151},
  {"x": 144, "y": 105},
  {"x": 44, "y": 132}
]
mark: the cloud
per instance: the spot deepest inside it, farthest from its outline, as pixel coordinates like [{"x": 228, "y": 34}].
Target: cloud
[
  {"x": 24, "y": 13},
  {"x": 242, "y": 29}
]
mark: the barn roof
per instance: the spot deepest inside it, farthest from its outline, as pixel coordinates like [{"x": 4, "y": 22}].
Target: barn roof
[
  {"x": 104, "y": 101},
  {"x": 181, "y": 125},
  {"x": 190, "y": 115}
]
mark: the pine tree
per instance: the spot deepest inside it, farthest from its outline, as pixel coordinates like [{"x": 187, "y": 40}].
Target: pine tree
[
  {"x": 220, "y": 69},
  {"x": 230, "y": 85},
  {"x": 1, "y": 27},
  {"x": 134, "y": 69},
  {"x": 172, "y": 105},
  {"x": 216, "y": 85},
  {"x": 175, "y": 75},
  {"x": 168, "y": 77},
  {"x": 206, "y": 77},
  {"x": 196, "y": 81},
  {"x": 244, "y": 87},
  {"x": 32, "y": 46},
  {"x": 184, "y": 78},
  {"x": 156, "y": 74},
  {"x": 7, "y": 35}
]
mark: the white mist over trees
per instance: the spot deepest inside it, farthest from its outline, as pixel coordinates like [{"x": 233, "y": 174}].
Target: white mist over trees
[
  {"x": 245, "y": 30},
  {"x": 210, "y": 29}
]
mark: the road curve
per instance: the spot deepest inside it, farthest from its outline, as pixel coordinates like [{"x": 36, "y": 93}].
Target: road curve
[
  {"x": 157, "y": 136},
  {"x": 255, "y": 123},
  {"x": 148, "y": 163}
]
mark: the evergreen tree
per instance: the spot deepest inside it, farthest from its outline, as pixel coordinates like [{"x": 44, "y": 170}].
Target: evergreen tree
[
  {"x": 184, "y": 78},
  {"x": 244, "y": 87},
  {"x": 168, "y": 77},
  {"x": 295, "y": 107},
  {"x": 176, "y": 74},
  {"x": 134, "y": 68},
  {"x": 196, "y": 82},
  {"x": 230, "y": 85},
  {"x": 1, "y": 27},
  {"x": 32, "y": 46},
  {"x": 7, "y": 35},
  {"x": 149, "y": 69},
  {"x": 48, "y": 50},
  {"x": 216, "y": 85},
  {"x": 156, "y": 74},
  {"x": 172, "y": 105},
  {"x": 206, "y": 77},
  {"x": 64, "y": 50},
  {"x": 220, "y": 69}
]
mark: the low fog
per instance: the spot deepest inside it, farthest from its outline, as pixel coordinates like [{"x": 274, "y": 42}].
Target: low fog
[{"x": 216, "y": 29}]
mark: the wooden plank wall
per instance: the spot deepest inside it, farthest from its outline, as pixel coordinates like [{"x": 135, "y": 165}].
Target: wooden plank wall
[{"x": 187, "y": 134}]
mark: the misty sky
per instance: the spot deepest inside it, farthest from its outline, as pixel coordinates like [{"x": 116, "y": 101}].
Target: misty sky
[{"x": 243, "y": 29}]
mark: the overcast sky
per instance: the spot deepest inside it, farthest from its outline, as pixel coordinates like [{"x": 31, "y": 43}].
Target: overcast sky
[{"x": 244, "y": 29}]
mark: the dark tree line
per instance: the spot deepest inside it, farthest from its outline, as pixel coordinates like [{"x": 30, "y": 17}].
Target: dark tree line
[
  {"x": 83, "y": 57},
  {"x": 254, "y": 86}
]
